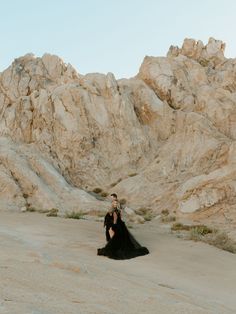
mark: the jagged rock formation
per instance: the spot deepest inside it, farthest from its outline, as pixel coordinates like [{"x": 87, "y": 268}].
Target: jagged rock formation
[{"x": 163, "y": 139}]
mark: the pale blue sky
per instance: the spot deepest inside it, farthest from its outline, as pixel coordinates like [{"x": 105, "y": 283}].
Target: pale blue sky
[{"x": 110, "y": 35}]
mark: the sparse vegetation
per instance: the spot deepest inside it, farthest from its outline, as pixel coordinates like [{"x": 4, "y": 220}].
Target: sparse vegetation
[
  {"x": 132, "y": 174},
  {"x": 215, "y": 238},
  {"x": 25, "y": 195},
  {"x": 100, "y": 192},
  {"x": 146, "y": 213},
  {"x": 30, "y": 209},
  {"x": 197, "y": 229},
  {"x": 207, "y": 235},
  {"x": 168, "y": 218},
  {"x": 75, "y": 215},
  {"x": 222, "y": 241},
  {"x": 165, "y": 212},
  {"x": 179, "y": 226},
  {"x": 148, "y": 216},
  {"x": 52, "y": 212},
  {"x": 104, "y": 194},
  {"x": 200, "y": 230},
  {"x": 115, "y": 183},
  {"x": 204, "y": 62},
  {"x": 97, "y": 190}
]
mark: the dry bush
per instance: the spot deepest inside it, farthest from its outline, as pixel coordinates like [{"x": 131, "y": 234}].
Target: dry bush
[
  {"x": 97, "y": 190},
  {"x": 165, "y": 212},
  {"x": 52, "y": 212},
  {"x": 75, "y": 215},
  {"x": 168, "y": 218},
  {"x": 207, "y": 235}
]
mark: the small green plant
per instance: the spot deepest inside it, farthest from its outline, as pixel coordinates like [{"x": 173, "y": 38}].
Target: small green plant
[
  {"x": 214, "y": 237},
  {"x": 168, "y": 218},
  {"x": 199, "y": 231},
  {"x": 207, "y": 235},
  {"x": 104, "y": 194},
  {"x": 30, "y": 209},
  {"x": 165, "y": 212},
  {"x": 179, "y": 226},
  {"x": 75, "y": 215},
  {"x": 204, "y": 62},
  {"x": 52, "y": 212},
  {"x": 148, "y": 216},
  {"x": 97, "y": 190},
  {"x": 145, "y": 212},
  {"x": 115, "y": 183},
  {"x": 132, "y": 174},
  {"x": 195, "y": 229}
]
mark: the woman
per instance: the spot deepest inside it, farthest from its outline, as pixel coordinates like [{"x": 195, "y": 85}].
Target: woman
[{"x": 122, "y": 244}]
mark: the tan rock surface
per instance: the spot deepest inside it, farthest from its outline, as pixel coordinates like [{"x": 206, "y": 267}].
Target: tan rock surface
[
  {"x": 163, "y": 139},
  {"x": 49, "y": 265}
]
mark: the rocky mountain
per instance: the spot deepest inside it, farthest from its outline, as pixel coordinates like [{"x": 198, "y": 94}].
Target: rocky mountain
[{"x": 164, "y": 139}]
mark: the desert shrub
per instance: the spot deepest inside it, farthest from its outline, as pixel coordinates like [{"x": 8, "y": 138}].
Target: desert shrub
[
  {"x": 168, "y": 218},
  {"x": 145, "y": 212},
  {"x": 104, "y": 194},
  {"x": 200, "y": 230},
  {"x": 148, "y": 216},
  {"x": 207, "y": 235},
  {"x": 222, "y": 241},
  {"x": 75, "y": 215},
  {"x": 115, "y": 183},
  {"x": 204, "y": 62},
  {"x": 216, "y": 238},
  {"x": 52, "y": 212},
  {"x": 132, "y": 174},
  {"x": 179, "y": 226},
  {"x": 97, "y": 190},
  {"x": 30, "y": 209},
  {"x": 165, "y": 212}
]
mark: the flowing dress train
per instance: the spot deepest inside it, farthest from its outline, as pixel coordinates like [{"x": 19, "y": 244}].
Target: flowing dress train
[{"x": 123, "y": 244}]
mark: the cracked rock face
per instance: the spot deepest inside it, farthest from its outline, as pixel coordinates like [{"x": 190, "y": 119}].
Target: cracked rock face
[{"x": 164, "y": 139}]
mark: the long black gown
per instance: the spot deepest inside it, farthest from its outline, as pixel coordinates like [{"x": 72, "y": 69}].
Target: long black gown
[{"x": 122, "y": 245}]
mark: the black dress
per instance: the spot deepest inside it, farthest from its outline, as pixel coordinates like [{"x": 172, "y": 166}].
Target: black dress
[
  {"x": 108, "y": 223},
  {"x": 122, "y": 245}
]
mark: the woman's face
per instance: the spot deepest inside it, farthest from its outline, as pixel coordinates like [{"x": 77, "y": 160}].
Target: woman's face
[
  {"x": 113, "y": 198},
  {"x": 114, "y": 204}
]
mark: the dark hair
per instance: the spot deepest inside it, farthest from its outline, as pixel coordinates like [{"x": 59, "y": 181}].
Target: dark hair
[{"x": 114, "y": 195}]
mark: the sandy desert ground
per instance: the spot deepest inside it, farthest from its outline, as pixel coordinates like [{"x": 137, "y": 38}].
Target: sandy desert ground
[{"x": 48, "y": 265}]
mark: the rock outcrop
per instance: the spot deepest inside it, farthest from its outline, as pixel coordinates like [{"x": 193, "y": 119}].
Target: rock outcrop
[{"x": 163, "y": 139}]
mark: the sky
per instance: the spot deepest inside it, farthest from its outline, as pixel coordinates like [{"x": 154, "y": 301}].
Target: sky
[{"x": 110, "y": 35}]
